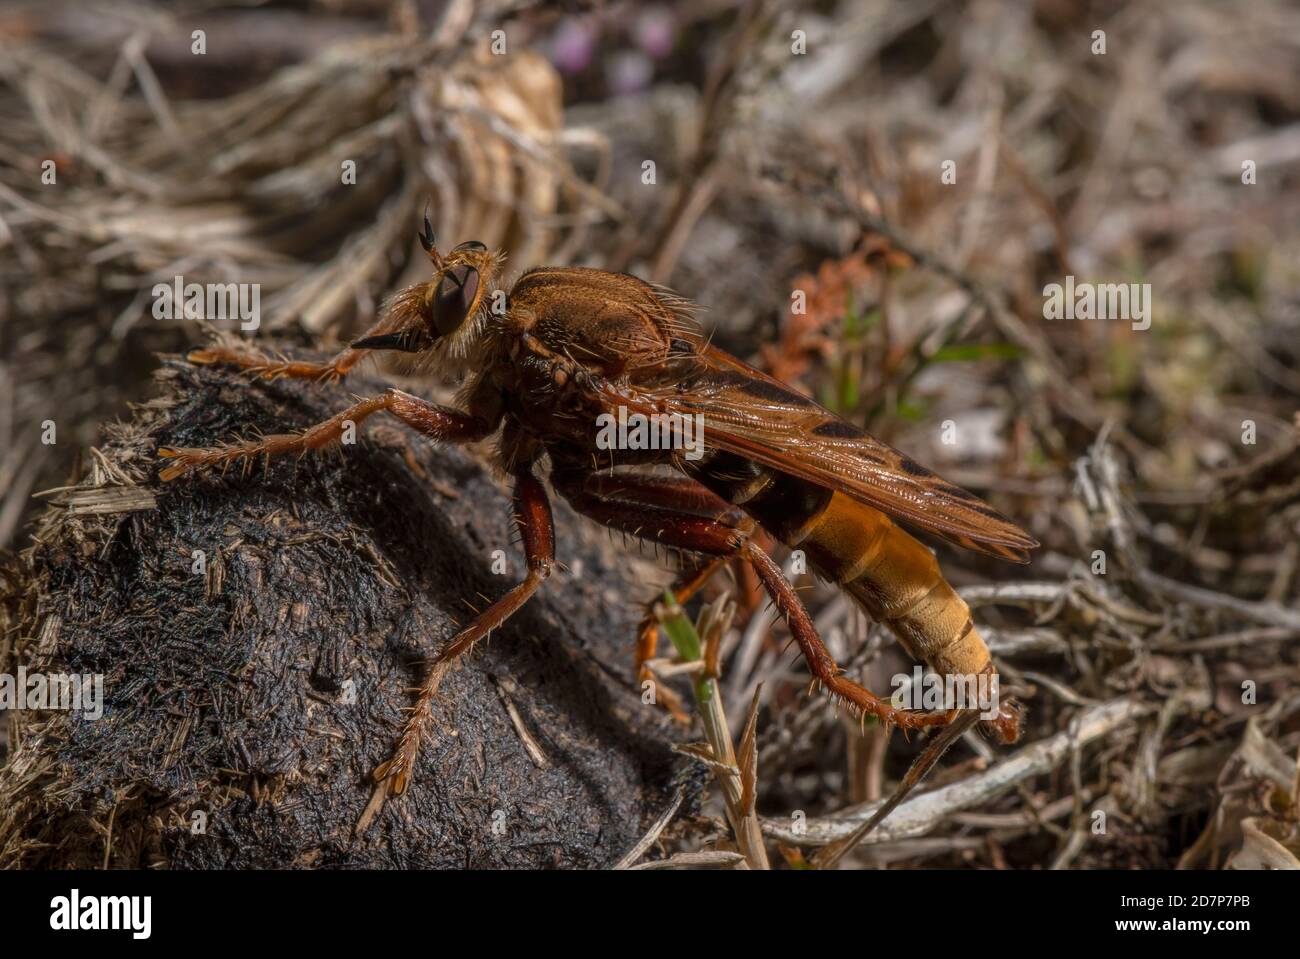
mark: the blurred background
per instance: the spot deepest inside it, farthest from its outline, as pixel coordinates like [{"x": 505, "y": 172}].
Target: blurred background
[{"x": 869, "y": 200}]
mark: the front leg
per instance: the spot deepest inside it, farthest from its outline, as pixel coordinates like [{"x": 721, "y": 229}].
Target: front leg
[
  {"x": 393, "y": 331},
  {"x": 262, "y": 366},
  {"x": 436, "y": 422}
]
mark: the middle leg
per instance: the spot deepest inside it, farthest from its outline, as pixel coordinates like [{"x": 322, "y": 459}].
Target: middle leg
[{"x": 536, "y": 527}]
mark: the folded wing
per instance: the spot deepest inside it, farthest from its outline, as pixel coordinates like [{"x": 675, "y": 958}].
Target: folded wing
[{"x": 749, "y": 413}]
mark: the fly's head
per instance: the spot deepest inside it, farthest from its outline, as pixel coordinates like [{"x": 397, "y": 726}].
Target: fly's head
[{"x": 445, "y": 314}]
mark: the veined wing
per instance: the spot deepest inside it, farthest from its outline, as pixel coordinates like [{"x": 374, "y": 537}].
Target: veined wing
[{"x": 754, "y": 415}]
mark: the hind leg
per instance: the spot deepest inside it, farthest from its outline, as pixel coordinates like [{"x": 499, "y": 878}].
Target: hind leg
[{"x": 684, "y": 515}]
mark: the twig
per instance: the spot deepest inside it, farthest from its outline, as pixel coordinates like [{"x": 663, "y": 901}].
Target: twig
[
  {"x": 925, "y": 812},
  {"x": 832, "y": 854},
  {"x": 648, "y": 840},
  {"x": 712, "y": 859},
  {"x": 738, "y": 781}
]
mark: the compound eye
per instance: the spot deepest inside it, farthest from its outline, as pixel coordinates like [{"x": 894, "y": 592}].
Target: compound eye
[
  {"x": 474, "y": 245},
  {"x": 456, "y": 294}
]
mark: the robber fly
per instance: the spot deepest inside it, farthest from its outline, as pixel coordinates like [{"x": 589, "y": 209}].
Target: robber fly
[{"x": 539, "y": 367}]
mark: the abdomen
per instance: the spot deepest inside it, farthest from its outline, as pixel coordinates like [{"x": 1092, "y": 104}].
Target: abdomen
[{"x": 890, "y": 574}]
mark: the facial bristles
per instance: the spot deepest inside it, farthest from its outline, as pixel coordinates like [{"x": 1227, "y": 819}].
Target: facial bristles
[{"x": 406, "y": 309}]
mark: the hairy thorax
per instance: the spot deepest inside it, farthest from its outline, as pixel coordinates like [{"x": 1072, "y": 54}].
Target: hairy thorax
[{"x": 569, "y": 329}]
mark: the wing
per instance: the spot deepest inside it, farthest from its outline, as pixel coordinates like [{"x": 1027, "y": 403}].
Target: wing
[{"x": 754, "y": 415}]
